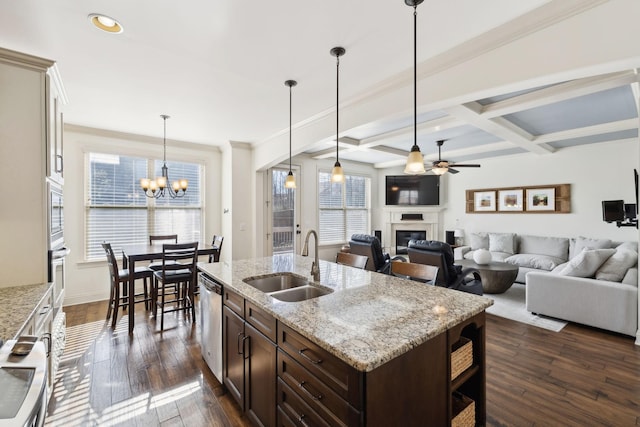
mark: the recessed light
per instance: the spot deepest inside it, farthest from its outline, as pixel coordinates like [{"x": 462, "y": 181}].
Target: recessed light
[{"x": 105, "y": 23}]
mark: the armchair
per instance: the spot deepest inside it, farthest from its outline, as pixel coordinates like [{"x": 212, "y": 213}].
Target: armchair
[
  {"x": 369, "y": 246},
  {"x": 449, "y": 275}
]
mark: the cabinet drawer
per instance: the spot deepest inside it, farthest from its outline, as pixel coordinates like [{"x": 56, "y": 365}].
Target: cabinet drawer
[
  {"x": 261, "y": 320},
  {"x": 284, "y": 420},
  {"x": 340, "y": 377},
  {"x": 295, "y": 408},
  {"x": 234, "y": 301},
  {"x": 317, "y": 395},
  {"x": 42, "y": 314}
]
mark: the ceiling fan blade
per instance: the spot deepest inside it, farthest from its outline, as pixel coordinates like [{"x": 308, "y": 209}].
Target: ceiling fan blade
[
  {"x": 451, "y": 170},
  {"x": 466, "y": 166}
]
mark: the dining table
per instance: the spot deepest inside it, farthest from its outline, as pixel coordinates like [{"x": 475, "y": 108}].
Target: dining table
[{"x": 145, "y": 252}]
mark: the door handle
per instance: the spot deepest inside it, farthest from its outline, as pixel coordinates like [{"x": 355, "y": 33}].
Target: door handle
[
  {"x": 240, "y": 351},
  {"x": 247, "y": 353}
]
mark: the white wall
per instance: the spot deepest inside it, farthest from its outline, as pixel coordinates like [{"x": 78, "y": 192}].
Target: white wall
[
  {"x": 89, "y": 281},
  {"x": 596, "y": 172}
]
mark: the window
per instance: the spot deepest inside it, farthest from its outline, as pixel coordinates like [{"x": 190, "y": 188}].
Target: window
[
  {"x": 117, "y": 211},
  {"x": 344, "y": 207}
]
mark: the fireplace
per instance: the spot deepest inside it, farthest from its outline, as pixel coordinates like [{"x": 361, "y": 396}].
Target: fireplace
[{"x": 403, "y": 237}]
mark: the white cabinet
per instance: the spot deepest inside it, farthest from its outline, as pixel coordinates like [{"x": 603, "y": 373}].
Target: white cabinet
[
  {"x": 54, "y": 122},
  {"x": 31, "y": 97}
]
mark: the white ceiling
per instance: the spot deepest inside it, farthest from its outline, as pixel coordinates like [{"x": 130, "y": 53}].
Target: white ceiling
[{"x": 218, "y": 69}]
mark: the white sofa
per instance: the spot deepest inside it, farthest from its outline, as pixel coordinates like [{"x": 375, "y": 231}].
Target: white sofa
[{"x": 588, "y": 281}]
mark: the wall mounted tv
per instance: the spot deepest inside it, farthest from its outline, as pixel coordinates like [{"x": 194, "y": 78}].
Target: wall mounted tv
[{"x": 412, "y": 190}]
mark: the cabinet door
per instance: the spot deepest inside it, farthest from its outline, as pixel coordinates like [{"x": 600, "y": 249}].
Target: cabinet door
[
  {"x": 55, "y": 163},
  {"x": 233, "y": 370},
  {"x": 260, "y": 382}
]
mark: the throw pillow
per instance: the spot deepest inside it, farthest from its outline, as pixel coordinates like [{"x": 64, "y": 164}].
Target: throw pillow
[
  {"x": 557, "y": 247},
  {"x": 631, "y": 278},
  {"x": 585, "y": 242},
  {"x": 628, "y": 246},
  {"x": 502, "y": 242},
  {"x": 617, "y": 265},
  {"x": 541, "y": 262},
  {"x": 586, "y": 263},
  {"x": 479, "y": 241}
]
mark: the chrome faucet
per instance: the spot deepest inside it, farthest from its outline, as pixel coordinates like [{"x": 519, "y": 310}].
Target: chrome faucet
[{"x": 315, "y": 266}]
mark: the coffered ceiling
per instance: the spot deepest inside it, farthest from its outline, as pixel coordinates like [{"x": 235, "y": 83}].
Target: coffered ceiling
[
  {"x": 218, "y": 69},
  {"x": 539, "y": 120}
]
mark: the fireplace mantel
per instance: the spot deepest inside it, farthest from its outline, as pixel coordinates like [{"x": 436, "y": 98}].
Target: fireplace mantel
[{"x": 393, "y": 221}]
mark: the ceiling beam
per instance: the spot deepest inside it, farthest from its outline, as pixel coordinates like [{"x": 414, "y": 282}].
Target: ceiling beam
[
  {"x": 617, "y": 126},
  {"x": 559, "y": 92},
  {"x": 423, "y": 128},
  {"x": 499, "y": 127}
]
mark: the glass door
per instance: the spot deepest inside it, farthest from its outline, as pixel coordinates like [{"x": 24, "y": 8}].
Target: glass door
[{"x": 284, "y": 228}]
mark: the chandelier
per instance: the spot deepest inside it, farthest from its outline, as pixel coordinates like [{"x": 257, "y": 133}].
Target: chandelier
[{"x": 156, "y": 188}]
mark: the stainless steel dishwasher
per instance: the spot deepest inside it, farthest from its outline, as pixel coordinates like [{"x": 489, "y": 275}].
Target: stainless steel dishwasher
[{"x": 211, "y": 324}]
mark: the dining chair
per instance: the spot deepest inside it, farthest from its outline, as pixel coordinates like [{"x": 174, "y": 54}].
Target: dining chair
[
  {"x": 217, "y": 244},
  {"x": 176, "y": 280},
  {"x": 411, "y": 270},
  {"x": 169, "y": 238},
  {"x": 120, "y": 279},
  {"x": 352, "y": 260}
]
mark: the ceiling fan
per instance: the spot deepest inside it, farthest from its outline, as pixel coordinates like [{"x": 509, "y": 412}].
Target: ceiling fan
[{"x": 440, "y": 166}]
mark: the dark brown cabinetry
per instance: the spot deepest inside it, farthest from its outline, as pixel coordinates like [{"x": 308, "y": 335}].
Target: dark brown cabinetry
[
  {"x": 298, "y": 383},
  {"x": 249, "y": 359}
]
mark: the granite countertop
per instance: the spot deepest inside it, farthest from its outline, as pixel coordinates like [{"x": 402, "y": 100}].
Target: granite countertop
[
  {"x": 369, "y": 319},
  {"x": 17, "y": 304}
]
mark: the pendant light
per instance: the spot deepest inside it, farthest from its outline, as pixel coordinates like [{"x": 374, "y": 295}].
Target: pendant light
[
  {"x": 156, "y": 188},
  {"x": 337, "y": 175},
  {"x": 290, "y": 182},
  {"x": 415, "y": 161}
]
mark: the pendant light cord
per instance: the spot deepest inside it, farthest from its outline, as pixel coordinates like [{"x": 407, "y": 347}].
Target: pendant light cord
[
  {"x": 415, "y": 75},
  {"x": 164, "y": 139},
  {"x": 290, "y": 128},
  {"x": 337, "y": 103}
]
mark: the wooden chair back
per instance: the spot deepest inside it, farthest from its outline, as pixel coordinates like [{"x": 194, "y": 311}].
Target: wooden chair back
[
  {"x": 217, "y": 244},
  {"x": 352, "y": 260},
  {"x": 421, "y": 272},
  {"x": 180, "y": 256},
  {"x": 112, "y": 262},
  {"x": 163, "y": 238}
]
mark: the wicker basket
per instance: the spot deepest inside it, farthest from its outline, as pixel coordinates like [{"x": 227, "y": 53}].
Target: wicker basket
[
  {"x": 464, "y": 411},
  {"x": 461, "y": 356}
]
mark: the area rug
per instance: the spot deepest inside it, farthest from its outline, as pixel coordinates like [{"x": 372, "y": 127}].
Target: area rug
[{"x": 511, "y": 305}]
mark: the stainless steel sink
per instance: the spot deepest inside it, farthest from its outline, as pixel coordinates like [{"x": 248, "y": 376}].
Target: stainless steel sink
[
  {"x": 276, "y": 282},
  {"x": 301, "y": 293}
]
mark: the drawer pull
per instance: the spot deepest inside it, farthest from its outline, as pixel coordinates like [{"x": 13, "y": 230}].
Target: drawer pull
[
  {"x": 301, "y": 420},
  {"x": 308, "y": 392},
  {"x": 315, "y": 362}
]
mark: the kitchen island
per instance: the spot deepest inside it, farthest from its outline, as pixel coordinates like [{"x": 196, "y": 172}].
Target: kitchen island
[{"x": 376, "y": 350}]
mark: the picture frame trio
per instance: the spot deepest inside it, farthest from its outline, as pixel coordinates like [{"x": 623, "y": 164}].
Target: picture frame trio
[{"x": 537, "y": 199}]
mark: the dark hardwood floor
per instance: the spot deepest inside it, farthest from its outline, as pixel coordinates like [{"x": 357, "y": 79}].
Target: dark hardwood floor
[{"x": 577, "y": 377}]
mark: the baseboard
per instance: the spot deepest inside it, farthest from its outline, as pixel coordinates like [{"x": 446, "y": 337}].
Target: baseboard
[{"x": 83, "y": 299}]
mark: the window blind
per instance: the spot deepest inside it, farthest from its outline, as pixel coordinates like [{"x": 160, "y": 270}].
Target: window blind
[
  {"x": 344, "y": 208},
  {"x": 118, "y": 212}
]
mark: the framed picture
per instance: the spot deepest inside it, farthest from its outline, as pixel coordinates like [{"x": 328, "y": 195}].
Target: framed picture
[
  {"x": 541, "y": 199},
  {"x": 510, "y": 200},
  {"x": 484, "y": 201}
]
